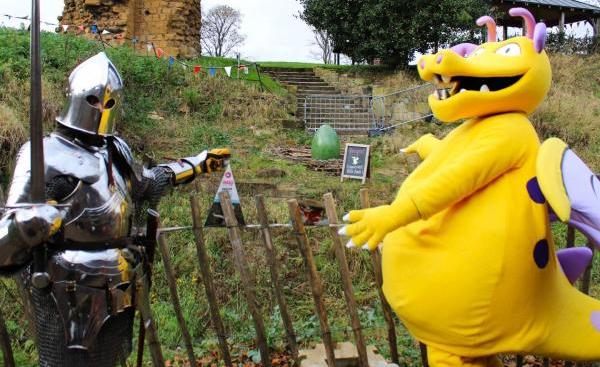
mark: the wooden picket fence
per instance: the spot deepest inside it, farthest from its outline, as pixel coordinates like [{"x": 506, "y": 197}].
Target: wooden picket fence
[{"x": 298, "y": 231}]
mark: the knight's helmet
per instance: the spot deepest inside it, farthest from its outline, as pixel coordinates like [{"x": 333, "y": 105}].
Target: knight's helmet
[{"x": 94, "y": 97}]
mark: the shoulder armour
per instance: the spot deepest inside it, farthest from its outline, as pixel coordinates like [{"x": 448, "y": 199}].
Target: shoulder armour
[
  {"x": 61, "y": 157},
  {"x": 65, "y": 158},
  {"x": 126, "y": 157}
]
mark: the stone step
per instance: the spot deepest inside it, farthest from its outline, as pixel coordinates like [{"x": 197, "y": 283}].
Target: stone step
[
  {"x": 300, "y": 80},
  {"x": 316, "y": 83}
]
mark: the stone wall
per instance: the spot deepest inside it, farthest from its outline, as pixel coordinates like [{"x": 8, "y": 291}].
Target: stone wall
[{"x": 173, "y": 25}]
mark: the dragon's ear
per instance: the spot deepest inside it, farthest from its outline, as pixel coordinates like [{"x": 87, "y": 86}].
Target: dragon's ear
[{"x": 539, "y": 37}]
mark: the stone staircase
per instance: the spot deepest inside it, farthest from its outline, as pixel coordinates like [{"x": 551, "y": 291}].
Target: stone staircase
[{"x": 319, "y": 103}]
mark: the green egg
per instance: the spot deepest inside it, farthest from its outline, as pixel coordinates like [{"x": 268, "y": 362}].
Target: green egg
[{"x": 325, "y": 144}]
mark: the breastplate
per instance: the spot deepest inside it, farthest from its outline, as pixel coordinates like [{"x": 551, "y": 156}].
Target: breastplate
[{"x": 99, "y": 212}]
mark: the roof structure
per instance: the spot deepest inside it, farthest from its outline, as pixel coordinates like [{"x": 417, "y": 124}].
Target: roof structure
[{"x": 549, "y": 11}]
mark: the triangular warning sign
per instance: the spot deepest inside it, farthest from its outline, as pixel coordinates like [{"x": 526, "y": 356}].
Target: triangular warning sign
[{"x": 215, "y": 214}]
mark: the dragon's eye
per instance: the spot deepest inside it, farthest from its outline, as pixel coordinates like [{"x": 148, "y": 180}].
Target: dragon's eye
[
  {"x": 478, "y": 51},
  {"x": 512, "y": 49}
]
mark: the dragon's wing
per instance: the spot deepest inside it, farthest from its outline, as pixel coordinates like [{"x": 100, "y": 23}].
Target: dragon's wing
[{"x": 570, "y": 187}]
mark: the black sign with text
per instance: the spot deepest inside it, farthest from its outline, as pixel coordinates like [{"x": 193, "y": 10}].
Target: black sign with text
[{"x": 356, "y": 162}]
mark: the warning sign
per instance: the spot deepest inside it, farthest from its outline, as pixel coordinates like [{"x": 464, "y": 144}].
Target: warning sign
[{"x": 215, "y": 216}]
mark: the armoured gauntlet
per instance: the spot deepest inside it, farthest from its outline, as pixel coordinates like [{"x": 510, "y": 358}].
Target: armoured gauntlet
[
  {"x": 186, "y": 169},
  {"x": 23, "y": 229}
]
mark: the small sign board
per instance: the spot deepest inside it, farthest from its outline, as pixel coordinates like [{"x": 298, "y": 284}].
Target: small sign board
[
  {"x": 215, "y": 216},
  {"x": 356, "y": 162}
]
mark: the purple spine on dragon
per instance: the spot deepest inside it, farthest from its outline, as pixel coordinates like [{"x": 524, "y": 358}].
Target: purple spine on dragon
[{"x": 536, "y": 32}]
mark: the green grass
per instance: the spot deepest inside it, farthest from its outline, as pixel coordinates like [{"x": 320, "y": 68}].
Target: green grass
[{"x": 173, "y": 113}]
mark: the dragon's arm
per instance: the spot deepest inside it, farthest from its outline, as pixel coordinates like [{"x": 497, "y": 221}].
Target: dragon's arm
[
  {"x": 423, "y": 146},
  {"x": 494, "y": 151}
]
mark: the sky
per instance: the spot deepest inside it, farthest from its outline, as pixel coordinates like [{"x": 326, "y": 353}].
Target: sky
[
  {"x": 272, "y": 30},
  {"x": 273, "y": 33}
]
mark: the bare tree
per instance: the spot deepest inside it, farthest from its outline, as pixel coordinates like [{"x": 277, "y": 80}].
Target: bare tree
[
  {"x": 323, "y": 41},
  {"x": 220, "y": 30}
]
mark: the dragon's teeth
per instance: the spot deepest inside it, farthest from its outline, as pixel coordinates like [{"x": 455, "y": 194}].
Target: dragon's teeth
[{"x": 484, "y": 88}]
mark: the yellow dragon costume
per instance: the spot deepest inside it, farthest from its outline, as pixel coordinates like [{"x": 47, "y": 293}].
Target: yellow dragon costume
[{"x": 468, "y": 259}]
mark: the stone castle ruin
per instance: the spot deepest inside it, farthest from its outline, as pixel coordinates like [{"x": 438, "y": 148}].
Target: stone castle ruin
[{"x": 173, "y": 25}]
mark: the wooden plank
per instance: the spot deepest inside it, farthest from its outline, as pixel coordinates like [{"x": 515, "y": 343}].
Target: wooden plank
[
  {"x": 378, "y": 274},
  {"x": 271, "y": 255},
  {"x": 248, "y": 285},
  {"x": 172, "y": 283},
  {"x": 340, "y": 255},
  {"x": 207, "y": 279},
  {"x": 316, "y": 284}
]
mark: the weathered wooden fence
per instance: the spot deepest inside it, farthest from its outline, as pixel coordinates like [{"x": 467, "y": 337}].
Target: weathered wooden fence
[{"x": 298, "y": 232}]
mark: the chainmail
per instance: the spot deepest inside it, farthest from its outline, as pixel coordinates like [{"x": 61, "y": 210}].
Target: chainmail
[
  {"x": 112, "y": 345},
  {"x": 148, "y": 191}
]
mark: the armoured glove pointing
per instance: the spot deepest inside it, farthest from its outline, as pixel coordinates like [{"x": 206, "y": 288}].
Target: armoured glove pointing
[{"x": 216, "y": 159}]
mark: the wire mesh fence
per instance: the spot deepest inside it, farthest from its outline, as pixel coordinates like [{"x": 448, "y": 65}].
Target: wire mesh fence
[{"x": 358, "y": 114}]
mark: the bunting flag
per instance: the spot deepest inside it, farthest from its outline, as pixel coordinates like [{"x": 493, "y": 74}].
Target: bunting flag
[
  {"x": 159, "y": 52},
  {"x": 246, "y": 70},
  {"x": 228, "y": 70},
  {"x": 94, "y": 28},
  {"x": 65, "y": 27},
  {"x": 171, "y": 61},
  {"x": 213, "y": 71},
  {"x": 81, "y": 29},
  {"x": 134, "y": 40},
  {"x": 105, "y": 32},
  {"x": 197, "y": 69},
  {"x": 149, "y": 47}
]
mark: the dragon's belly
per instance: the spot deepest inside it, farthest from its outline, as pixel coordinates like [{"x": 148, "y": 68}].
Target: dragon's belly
[{"x": 469, "y": 277}]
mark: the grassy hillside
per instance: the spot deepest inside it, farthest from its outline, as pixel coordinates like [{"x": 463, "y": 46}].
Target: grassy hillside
[{"x": 172, "y": 113}]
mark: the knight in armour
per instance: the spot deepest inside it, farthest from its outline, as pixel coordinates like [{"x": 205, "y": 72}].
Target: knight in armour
[{"x": 97, "y": 196}]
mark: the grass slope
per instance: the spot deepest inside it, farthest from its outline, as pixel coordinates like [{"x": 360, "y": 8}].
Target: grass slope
[{"x": 172, "y": 113}]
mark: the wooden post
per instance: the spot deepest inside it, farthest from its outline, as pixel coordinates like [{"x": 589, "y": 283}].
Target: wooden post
[
  {"x": 546, "y": 362},
  {"x": 148, "y": 322},
  {"x": 170, "y": 274},
  {"x": 561, "y": 22},
  {"x": 7, "y": 353},
  {"x": 424, "y": 358},
  {"x": 340, "y": 255},
  {"x": 248, "y": 284},
  {"x": 315, "y": 281},
  {"x": 207, "y": 279},
  {"x": 587, "y": 276},
  {"x": 519, "y": 361},
  {"x": 570, "y": 236},
  {"x": 144, "y": 283},
  {"x": 385, "y": 306},
  {"x": 271, "y": 254}
]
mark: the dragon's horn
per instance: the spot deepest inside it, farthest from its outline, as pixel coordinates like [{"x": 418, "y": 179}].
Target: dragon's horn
[
  {"x": 491, "y": 27},
  {"x": 527, "y": 17}
]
